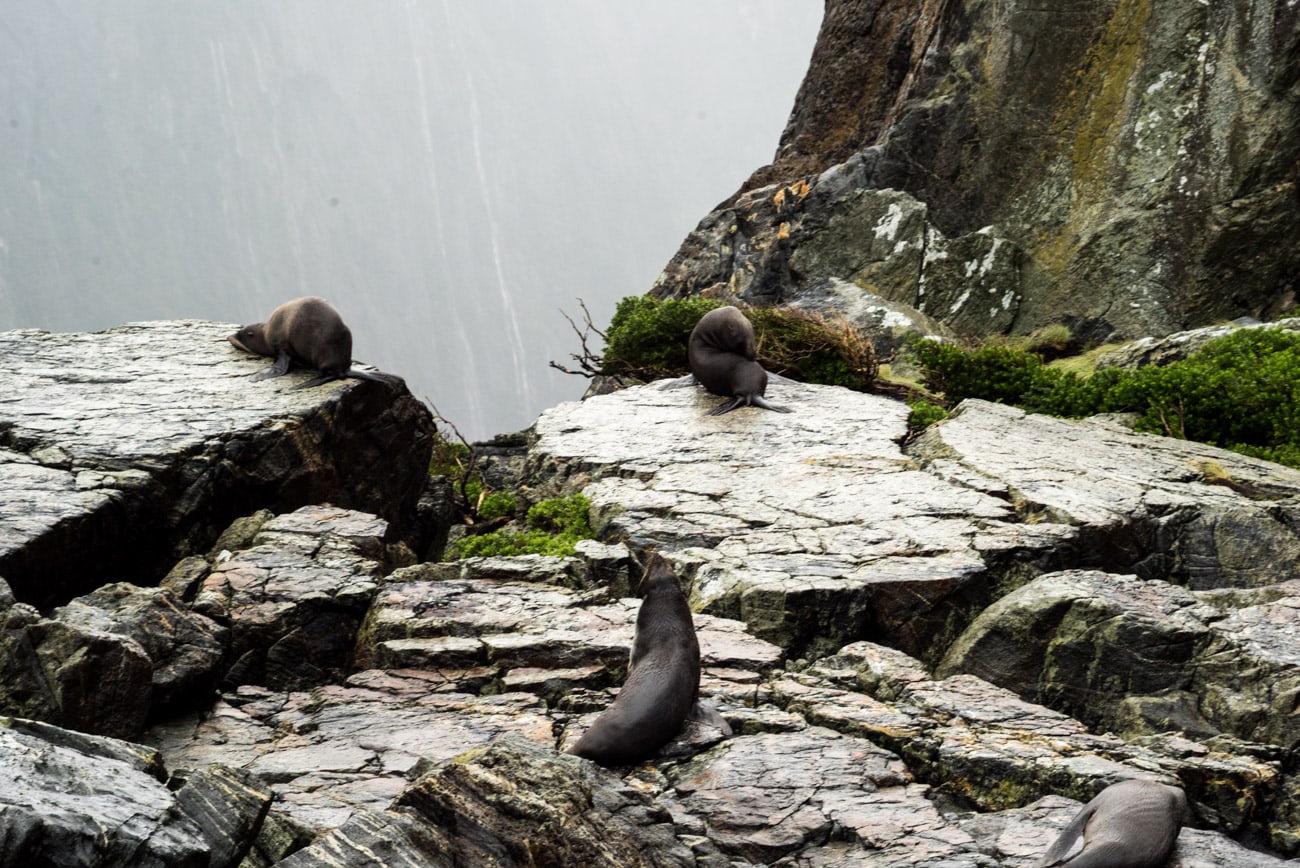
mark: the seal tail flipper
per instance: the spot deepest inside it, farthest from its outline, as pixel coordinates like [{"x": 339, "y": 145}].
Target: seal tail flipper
[
  {"x": 375, "y": 377},
  {"x": 727, "y": 406},
  {"x": 279, "y": 369},
  {"x": 1069, "y": 842},
  {"x": 317, "y": 381},
  {"x": 688, "y": 380},
  {"x": 760, "y": 401},
  {"x": 707, "y": 714}
]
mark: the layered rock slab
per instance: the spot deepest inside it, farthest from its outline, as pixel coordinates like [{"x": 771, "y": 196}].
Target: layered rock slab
[
  {"x": 813, "y": 528},
  {"x": 136, "y": 445},
  {"x": 1156, "y": 506}
]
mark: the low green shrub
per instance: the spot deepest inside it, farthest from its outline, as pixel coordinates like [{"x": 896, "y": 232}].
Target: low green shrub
[
  {"x": 647, "y": 339},
  {"x": 647, "y": 336},
  {"x": 924, "y": 414},
  {"x": 1241, "y": 391}
]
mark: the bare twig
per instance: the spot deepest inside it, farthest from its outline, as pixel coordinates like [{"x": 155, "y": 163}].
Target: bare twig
[{"x": 589, "y": 362}]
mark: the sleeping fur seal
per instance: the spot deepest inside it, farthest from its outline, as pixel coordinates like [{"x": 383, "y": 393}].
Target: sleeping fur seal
[
  {"x": 721, "y": 351},
  {"x": 663, "y": 678},
  {"x": 1131, "y": 824},
  {"x": 308, "y": 331}
]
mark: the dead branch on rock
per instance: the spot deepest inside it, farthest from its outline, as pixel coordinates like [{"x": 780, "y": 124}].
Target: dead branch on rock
[{"x": 589, "y": 361}]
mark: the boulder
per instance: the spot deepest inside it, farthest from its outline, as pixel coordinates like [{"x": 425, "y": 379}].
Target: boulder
[
  {"x": 184, "y": 648},
  {"x": 1162, "y": 508},
  {"x": 813, "y": 528},
  {"x": 73, "y": 676},
  {"x": 292, "y": 602},
  {"x": 128, "y": 448},
  {"x": 73, "y": 800},
  {"x": 1178, "y": 346}
]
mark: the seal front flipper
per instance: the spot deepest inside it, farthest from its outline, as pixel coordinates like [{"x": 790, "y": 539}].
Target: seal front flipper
[
  {"x": 279, "y": 369},
  {"x": 728, "y": 406},
  {"x": 688, "y": 380}
]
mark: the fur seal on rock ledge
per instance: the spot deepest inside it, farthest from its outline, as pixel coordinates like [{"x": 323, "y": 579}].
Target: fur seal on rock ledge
[
  {"x": 663, "y": 678},
  {"x": 1130, "y": 824},
  {"x": 721, "y": 351},
  {"x": 308, "y": 331}
]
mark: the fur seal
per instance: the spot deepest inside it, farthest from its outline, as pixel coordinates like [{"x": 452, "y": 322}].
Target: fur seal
[
  {"x": 663, "y": 678},
  {"x": 1130, "y": 824},
  {"x": 308, "y": 331},
  {"x": 721, "y": 351}
]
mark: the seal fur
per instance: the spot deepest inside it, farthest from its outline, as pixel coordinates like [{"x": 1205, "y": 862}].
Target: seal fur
[
  {"x": 307, "y": 331},
  {"x": 1130, "y": 824},
  {"x": 663, "y": 679},
  {"x": 721, "y": 351}
]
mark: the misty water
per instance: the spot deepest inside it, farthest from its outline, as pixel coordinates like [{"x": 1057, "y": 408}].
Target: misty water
[{"x": 452, "y": 175}]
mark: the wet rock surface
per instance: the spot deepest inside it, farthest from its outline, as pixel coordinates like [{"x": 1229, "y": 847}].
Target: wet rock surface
[
  {"x": 134, "y": 446},
  {"x": 929, "y": 654}
]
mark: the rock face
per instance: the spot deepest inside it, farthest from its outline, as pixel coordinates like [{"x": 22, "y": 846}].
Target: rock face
[
  {"x": 1109, "y": 165},
  {"x": 123, "y": 450}
]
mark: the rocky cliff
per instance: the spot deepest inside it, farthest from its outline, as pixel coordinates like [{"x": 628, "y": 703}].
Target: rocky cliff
[
  {"x": 1125, "y": 167},
  {"x": 930, "y": 653}
]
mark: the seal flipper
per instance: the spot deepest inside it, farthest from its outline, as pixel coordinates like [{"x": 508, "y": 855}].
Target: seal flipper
[
  {"x": 728, "y": 406},
  {"x": 317, "y": 381},
  {"x": 706, "y": 714},
  {"x": 279, "y": 369},
  {"x": 760, "y": 401},
  {"x": 688, "y": 380},
  {"x": 777, "y": 378},
  {"x": 1070, "y": 841}
]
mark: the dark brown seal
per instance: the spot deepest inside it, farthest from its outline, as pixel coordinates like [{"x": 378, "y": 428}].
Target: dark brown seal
[
  {"x": 721, "y": 350},
  {"x": 1131, "y": 824},
  {"x": 663, "y": 677},
  {"x": 307, "y": 331}
]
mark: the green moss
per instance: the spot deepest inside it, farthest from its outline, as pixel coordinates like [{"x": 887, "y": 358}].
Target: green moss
[
  {"x": 1241, "y": 391},
  {"x": 496, "y": 504},
  {"x": 562, "y": 515},
  {"x": 555, "y": 527}
]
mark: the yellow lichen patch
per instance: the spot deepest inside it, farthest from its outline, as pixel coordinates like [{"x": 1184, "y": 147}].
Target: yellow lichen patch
[
  {"x": 1094, "y": 109},
  {"x": 783, "y": 231}
]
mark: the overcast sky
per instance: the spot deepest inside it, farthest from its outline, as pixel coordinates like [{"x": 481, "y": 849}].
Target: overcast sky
[{"x": 451, "y": 174}]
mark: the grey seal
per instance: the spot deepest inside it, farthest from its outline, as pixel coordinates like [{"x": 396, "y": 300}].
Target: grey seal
[
  {"x": 721, "y": 351},
  {"x": 1130, "y": 824},
  {"x": 308, "y": 331},
  {"x": 663, "y": 680}
]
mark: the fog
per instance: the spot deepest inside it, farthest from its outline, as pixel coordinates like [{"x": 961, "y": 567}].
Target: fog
[{"x": 452, "y": 175}]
